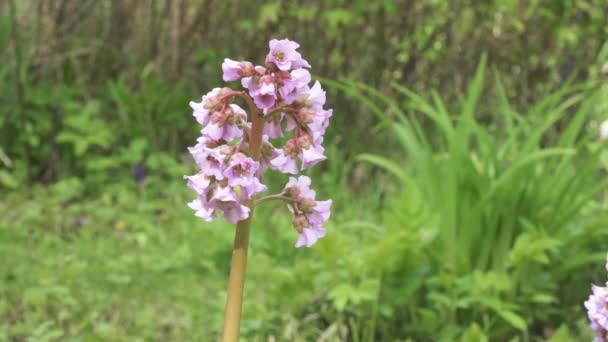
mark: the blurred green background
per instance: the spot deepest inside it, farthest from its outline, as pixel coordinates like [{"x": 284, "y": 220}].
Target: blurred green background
[{"x": 465, "y": 164}]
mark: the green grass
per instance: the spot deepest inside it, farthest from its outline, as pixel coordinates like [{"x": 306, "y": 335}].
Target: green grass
[
  {"x": 129, "y": 268},
  {"x": 136, "y": 264}
]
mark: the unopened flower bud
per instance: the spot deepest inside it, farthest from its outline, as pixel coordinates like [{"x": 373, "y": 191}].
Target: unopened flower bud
[
  {"x": 293, "y": 192},
  {"x": 291, "y": 147},
  {"x": 266, "y": 150},
  {"x": 306, "y": 205},
  {"x": 300, "y": 222},
  {"x": 219, "y": 118},
  {"x": 247, "y": 69},
  {"x": 260, "y": 70},
  {"x": 304, "y": 141},
  {"x": 306, "y": 115}
]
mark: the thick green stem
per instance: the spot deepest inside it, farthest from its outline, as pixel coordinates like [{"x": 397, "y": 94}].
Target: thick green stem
[
  {"x": 238, "y": 265},
  {"x": 238, "y": 268}
]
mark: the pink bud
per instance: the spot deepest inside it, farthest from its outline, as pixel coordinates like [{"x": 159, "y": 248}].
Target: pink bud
[
  {"x": 304, "y": 141},
  {"x": 291, "y": 147},
  {"x": 300, "y": 222},
  {"x": 306, "y": 205}
]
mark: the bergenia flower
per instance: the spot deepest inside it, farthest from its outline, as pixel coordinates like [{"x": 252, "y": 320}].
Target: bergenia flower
[
  {"x": 234, "y": 70},
  {"x": 309, "y": 215},
  {"x": 241, "y": 170},
  {"x": 225, "y": 199},
  {"x": 597, "y": 310},
  {"x": 309, "y": 236},
  {"x": 272, "y": 128},
  {"x": 283, "y": 54},
  {"x": 295, "y": 85},
  {"x": 310, "y": 153},
  {"x": 316, "y": 97},
  {"x": 232, "y": 167},
  {"x": 223, "y": 124},
  {"x": 210, "y": 160},
  {"x": 285, "y": 158}
]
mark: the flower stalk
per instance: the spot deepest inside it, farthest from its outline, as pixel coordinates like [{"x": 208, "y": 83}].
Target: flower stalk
[{"x": 238, "y": 263}]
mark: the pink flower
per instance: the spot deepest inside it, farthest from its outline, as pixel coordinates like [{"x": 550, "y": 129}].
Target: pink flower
[
  {"x": 285, "y": 163},
  {"x": 272, "y": 128},
  {"x": 199, "y": 183},
  {"x": 316, "y": 96},
  {"x": 241, "y": 170},
  {"x": 224, "y": 199},
  {"x": 309, "y": 153},
  {"x": 229, "y": 178},
  {"x": 234, "y": 70},
  {"x": 311, "y": 156},
  {"x": 223, "y": 124},
  {"x": 201, "y": 210},
  {"x": 210, "y": 160},
  {"x": 267, "y": 154},
  {"x": 597, "y": 310},
  {"x": 266, "y": 95},
  {"x": 262, "y": 89},
  {"x": 319, "y": 213},
  {"x": 283, "y": 54},
  {"x": 319, "y": 123},
  {"x": 309, "y": 236},
  {"x": 295, "y": 85},
  {"x": 253, "y": 189},
  {"x": 309, "y": 215},
  {"x": 285, "y": 159},
  {"x": 209, "y": 103},
  {"x": 299, "y": 188}
]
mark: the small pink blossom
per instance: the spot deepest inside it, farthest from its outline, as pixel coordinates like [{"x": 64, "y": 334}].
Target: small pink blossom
[
  {"x": 316, "y": 96},
  {"x": 254, "y": 188},
  {"x": 299, "y": 188},
  {"x": 309, "y": 236},
  {"x": 311, "y": 156},
  {"x": 309, "y": 153},
  {"x": 285, "y": 159},
  {"x": 272, "y": 128},
  {"x": 233, "y": 70},
  {"x": 224, "y": 199},
  {"x": 285, "y": 163},
  {"x": 241, "y": 170},
  {"x": 201, "y": 210},
  {"x": 222, "y": 125},
  {"x": 597, "y": 310},
  {"x": 283, "y": 54},
  {"x": 209, "y": 103},
  {"x": 295, "y": 85},
  {"x": 309, "y": 215},
  {"x": 210, "y": 160}
]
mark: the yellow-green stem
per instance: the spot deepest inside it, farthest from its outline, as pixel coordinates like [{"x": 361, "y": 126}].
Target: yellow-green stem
[
  {"x": 238, "y": 268},
  {"x": 238, "y": 264}
]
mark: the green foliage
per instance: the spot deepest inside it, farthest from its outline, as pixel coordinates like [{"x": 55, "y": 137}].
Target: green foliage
[{"x": 499, "y": 209}]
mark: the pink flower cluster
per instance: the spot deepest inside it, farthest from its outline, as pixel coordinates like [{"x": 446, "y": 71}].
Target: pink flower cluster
[
  {"x": 229, "y": 176},
  {"x": 281, "y": 89},
  {"x": 597, "y": 310},
  {"x": 309, "y": 215}
]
